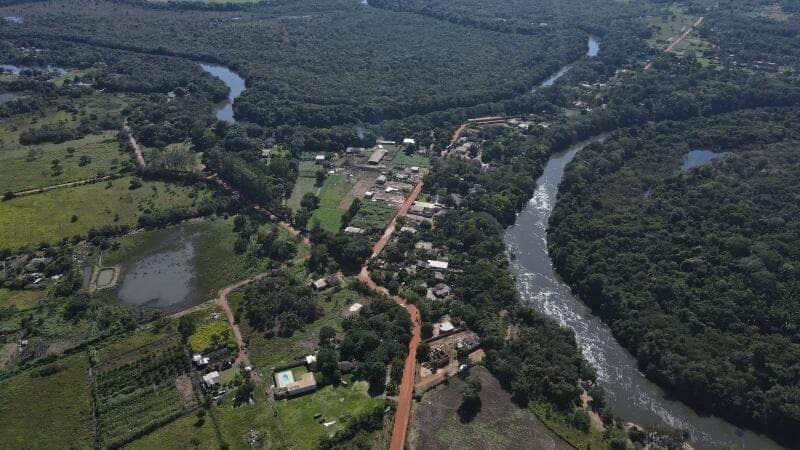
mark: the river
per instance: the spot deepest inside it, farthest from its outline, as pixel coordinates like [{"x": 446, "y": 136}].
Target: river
[
  {"x": 593, "y": 49},
  {"x": 630, "y": 394},
  {"x": 236, "y": 86}
]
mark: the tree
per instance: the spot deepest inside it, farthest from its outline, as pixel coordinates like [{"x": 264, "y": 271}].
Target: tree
[
  {"x": 423, "y": 352},
  {"x": 326, "y": 334},
  {"x": 470, "y": 398},
  {"x": 328, "y": 365},
  {"x": 310, "y": 201},
  {"x": 244, "y": 392},
  {"x": 318, "y": 259},
  {"x": 320, "y": 178},
  {"x": 186, "y": 326}
]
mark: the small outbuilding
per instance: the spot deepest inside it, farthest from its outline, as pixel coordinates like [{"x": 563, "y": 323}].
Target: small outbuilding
[{"x": 354, "y": 230}]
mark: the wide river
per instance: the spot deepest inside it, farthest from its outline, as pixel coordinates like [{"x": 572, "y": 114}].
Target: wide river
[{"x": 632, "y": 396}]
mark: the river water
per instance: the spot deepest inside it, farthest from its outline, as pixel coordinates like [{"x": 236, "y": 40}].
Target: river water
[
  {"x": 630, "y": 394},
  {"x": 236, "y": 86}
]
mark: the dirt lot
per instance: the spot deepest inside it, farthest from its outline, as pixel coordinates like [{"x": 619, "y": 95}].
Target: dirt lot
[{"x": 499, "y": 424}]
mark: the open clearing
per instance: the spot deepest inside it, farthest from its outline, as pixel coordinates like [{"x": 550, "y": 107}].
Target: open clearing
[
  {"x": 334, "y": 403},
  {"x": 48, "y": 216},
  {"x": 31, "y": 167},
  {"x": 59, "y": 403},
  {"x": 498, "y": 425}
]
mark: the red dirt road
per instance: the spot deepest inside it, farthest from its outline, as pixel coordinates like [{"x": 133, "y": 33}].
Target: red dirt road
[{"x": 406, "y": 388}]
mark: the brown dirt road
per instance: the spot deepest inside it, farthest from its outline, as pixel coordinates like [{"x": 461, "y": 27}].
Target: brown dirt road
[
  {"x": 406, "y": 388},
  {"x": 222, "y": 301},
  {"x": 137, "y": 149}
]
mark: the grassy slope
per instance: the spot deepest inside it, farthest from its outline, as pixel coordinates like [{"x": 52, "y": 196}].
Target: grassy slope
[
  {"x": 49, "y": 411},
  {"x": 328, "y": 213},
  {"x": 47, "y": 216}
]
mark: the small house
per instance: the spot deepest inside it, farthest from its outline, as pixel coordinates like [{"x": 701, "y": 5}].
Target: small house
[
  {"x": 410, "y": 230},
  {"x": 319, "y": 159},
  {"x": 368, "y": 194},
  {"x": 381, "y": 180},
  {"x": 211, "y": 379},
  {"x": 409, "y": 141},
  {"x": 355, "y": 307}
]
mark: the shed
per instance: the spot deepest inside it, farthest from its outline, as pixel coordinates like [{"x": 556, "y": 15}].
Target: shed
[
  {"x": 319, "y": 159},
  {"x": 408, "y": 141},
  {"x": 410, "y": 230},
  {"x": 381, "y": 180},
  {"x": 355, "y": 307}
]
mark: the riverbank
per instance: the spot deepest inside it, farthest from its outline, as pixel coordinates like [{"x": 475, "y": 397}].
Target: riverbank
[{"x": 629, "y": 392}]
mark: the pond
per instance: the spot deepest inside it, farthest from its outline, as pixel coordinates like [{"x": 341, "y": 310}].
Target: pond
[
  {"x": 236, "y": 86},
  {"x": 163, "y": 276},
  {"x": 696, "y": 158}
]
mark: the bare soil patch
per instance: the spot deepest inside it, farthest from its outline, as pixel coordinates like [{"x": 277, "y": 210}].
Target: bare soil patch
[{"x": 499, "y": 425}]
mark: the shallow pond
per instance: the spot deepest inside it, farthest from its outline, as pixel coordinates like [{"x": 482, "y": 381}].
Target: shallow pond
[
  {"x": 163, "y": 276},
  {"x": 696, "y": 158}
]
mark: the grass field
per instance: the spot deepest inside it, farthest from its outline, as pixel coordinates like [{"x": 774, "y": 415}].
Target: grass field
[
  {"x": 25, "y": 299},
  {"x": 302, "y": 186},
  {"x": 402, "y": 160},
  {"x": 334, "y": 403},
  {"x": 373, "y": 216},
  {"x": 42, "y": 410},
  {"x": 48, "y": 216},
  {"x": 31, "y": 167},
  {"x": 180, "y": 434},
  {"x": 329, "y": 214}
]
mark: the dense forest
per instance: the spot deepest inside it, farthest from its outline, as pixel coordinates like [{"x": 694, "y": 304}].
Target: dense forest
[
  {"x": 695, "y": 269},
  {"x": 423, "y": 64}
]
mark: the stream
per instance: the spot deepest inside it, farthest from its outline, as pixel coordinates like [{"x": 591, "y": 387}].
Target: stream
[{"x": 631, "y": 396}]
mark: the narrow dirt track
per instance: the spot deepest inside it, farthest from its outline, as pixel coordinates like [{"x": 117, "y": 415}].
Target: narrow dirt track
[
  {"x": 680, "y": 38},
  {"x": 65, "y": 185}
]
